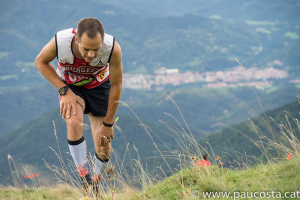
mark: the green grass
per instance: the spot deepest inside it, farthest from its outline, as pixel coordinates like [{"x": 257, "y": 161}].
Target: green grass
[
  {"x": 58, "y": 192},
  {"x": 280, "y": 177}
]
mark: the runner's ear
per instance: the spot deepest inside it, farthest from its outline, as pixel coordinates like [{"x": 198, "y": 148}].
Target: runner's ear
[{"x": 76, "y": 39}]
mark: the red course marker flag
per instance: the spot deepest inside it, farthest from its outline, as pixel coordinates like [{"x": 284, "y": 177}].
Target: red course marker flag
[{"x": 30, "y": 176}]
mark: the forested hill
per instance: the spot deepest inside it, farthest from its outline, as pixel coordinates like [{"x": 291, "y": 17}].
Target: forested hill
[
  {"x": 188, "y": 42},
  {"x": 231, "y": 10}
]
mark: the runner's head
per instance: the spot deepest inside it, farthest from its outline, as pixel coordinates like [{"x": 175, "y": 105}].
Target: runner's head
[
  {"x": 204, "y": 156},
  {"x": 91, "y": 26},
  {"x": 89, "y": 37}
]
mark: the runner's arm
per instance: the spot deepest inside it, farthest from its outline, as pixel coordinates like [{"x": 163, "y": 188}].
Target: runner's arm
[
  {"x": 42, "y": 62},
  {"x": 115, "y": 76}
]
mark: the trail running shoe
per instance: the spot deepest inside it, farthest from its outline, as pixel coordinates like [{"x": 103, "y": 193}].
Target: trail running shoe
[
  {"x": 96, "y": 191},
  {"x": 86, "y": 191}
]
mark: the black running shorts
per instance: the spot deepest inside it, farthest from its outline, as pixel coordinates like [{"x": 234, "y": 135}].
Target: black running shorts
[{"x": 96, "y": 99}]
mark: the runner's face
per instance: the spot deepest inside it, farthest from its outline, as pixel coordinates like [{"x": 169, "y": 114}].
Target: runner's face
[{"x": 89, "y": 48}]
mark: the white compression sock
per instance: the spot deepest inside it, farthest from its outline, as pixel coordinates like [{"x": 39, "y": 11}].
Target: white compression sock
[
  {"x": 99, "y": 168},
  {"x": 78, "y": 151}
]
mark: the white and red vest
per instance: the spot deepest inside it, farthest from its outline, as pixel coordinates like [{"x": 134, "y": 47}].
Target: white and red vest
[{"x": 79, "y": 72}]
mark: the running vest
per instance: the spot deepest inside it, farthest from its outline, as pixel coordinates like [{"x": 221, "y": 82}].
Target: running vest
[{"x": 79, "y": 72}]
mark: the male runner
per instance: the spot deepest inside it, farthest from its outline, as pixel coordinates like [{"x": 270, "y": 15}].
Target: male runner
[{"x": 89, "y": 81}]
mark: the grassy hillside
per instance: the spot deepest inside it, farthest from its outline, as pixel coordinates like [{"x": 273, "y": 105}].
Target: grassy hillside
[
  {"x": 252, "y": 138},
  {"x": 195, "y": 183},
  {"x": 275, "y": 180}
]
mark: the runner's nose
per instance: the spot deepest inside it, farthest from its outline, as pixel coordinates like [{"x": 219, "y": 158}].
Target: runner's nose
[{"x": 91, "y": 54}]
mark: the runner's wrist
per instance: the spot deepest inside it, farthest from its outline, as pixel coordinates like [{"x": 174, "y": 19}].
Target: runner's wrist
[
  {"x": 108, "y": 124},
  {"x": 63, "y": 90}
]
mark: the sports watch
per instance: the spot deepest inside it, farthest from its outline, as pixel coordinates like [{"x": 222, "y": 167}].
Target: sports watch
[
  {"x": 62, "y": 91},
  {"x": 108, "y": 125}
]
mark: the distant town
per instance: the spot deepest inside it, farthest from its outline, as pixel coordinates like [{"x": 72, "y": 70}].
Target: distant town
[{"x": 236, "y": 77}]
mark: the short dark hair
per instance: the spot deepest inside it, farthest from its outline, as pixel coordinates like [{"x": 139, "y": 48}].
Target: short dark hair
[
  {"x": 90, "y": 26},
  {"x": 204, "y": 156}
]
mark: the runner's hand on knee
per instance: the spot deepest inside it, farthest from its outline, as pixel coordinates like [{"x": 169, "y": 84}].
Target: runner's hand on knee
[{"x": 68, "y": 104}]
